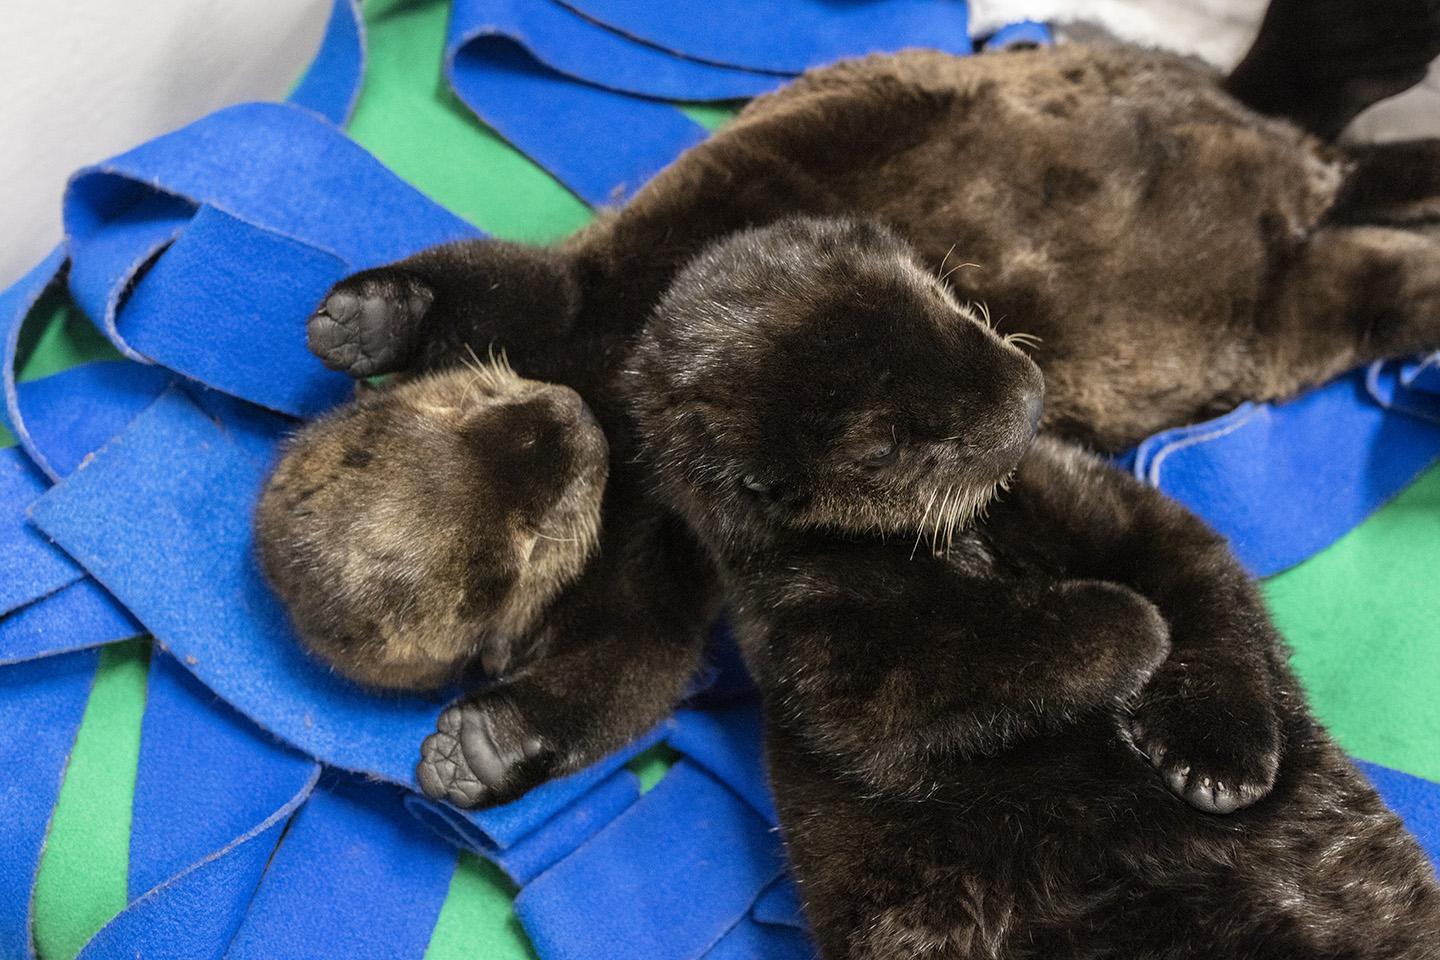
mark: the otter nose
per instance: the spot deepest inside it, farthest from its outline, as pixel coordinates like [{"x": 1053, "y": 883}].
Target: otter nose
[{"x": 571, "y": 405}]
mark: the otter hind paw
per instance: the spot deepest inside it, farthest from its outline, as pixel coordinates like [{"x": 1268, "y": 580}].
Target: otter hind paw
[
  {"x": 1207, "y": 792},
  {"x": 1218, "y": 757},
  {"x": 478, "y": 756},
  {"x": 369, "y": 323}
]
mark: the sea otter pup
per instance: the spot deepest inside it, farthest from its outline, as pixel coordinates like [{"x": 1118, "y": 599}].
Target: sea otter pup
[
  {"x": 972, "y": 643},
  {"x": 429, "y": 524},
  {"x": 441, "y": 527},
  {"x": 1174, "y": 250}
]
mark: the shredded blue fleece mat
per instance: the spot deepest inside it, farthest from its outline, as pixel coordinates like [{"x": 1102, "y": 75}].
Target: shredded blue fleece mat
[
  {"x": 199, "y": 254},
  {"x": 206, "y": 774},
  {"x": 33, "y": 567},
  {"x": 355, "y": 878},
  {"x": 794, "y": 36},
  {"x": 1284, "y": 481},
  {"x": 576, "y": 86},
  {"x": 41, "y": 703}
]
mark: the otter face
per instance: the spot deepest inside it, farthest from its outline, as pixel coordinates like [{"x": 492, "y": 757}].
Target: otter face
[
  {"x": 428, "y": 524},
  {"x": 811, "y": 374}
]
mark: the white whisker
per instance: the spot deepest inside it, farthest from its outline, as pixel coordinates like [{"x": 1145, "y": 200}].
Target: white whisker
[
  {"x": 939, "y": 515},
  {"x": 920, "y": 533},
  {"x": 946, "y": 275}
]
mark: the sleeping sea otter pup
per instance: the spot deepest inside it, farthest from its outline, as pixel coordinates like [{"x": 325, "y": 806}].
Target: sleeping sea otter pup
[
  {"x": 973, "y": 644},
  {"x": 430, "y": 523}
]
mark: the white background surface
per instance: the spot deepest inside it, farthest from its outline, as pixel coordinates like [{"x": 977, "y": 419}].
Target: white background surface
[{"x": 82, "y": 80}]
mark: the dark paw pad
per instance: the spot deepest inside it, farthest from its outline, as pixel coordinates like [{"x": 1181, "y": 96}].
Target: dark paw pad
[
  {"x": 369, "y": 323},
  {"x": 471, "y": 758},
  {"x": 1218, "y": 757}
]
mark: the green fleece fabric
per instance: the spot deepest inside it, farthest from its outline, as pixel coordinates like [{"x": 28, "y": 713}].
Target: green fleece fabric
[
  {"x": 1363, "y": 617},
  {"x": 82, "y": 878},
  {"x": 1364, "y": 620}
]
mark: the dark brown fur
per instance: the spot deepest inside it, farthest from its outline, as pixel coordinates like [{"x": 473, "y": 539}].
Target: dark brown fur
[
  {"x": 961, "y": 737},
  {"x": 1175, "y": 251}
]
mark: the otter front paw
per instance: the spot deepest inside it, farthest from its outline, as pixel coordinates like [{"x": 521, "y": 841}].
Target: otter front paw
[
  {"x": 481, "y": 754},
  {"x": 1214, "y": 737},
  {"x": 370, "y": 322}
]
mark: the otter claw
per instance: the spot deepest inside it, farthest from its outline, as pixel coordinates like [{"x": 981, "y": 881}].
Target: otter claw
[{"x": 1214, "y": 774}]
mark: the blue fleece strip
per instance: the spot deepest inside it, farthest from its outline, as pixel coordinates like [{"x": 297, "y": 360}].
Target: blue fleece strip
[
  {"x": 76, "y": 617},
  {"x": 1263, "y": 476},
  {"x": 789, "y": 37},
  {"x": 580, "y": 49},
  {"x": 354, "y": 878},
  {"x": 1024, "y": 33},
  {"x": 41, "y": 704},
  {"x": 1416, "y": 801},
  {"x": 226, "y": 305},
  {"x": 601, "y": 145},
  {"x": 332, "y": 82},
  {"x": 206, "y": 775},
  {"x": 569, "y": 829},
  {"x": 16, "y": 302},
  {"x": 71, "y": 414},
  {"x": 204, "y": 250},
  {"x": 749, "y": 940},
  {"x": 31, "y": 566},
  {"x": 667, "y": 879},
  {"x": 569, "y": 86},
  {"x": 111, "y": 244},
  {"x": 780, "y": 905},
  {"x": 182, "y": 917},
  {"x": 726, "y": 740},
  {"x": 1422, "y": 373},
  {"x": 1411, "y": 387}
]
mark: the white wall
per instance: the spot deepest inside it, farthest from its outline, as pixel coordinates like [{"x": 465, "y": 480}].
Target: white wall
[{"x": 81, "y": 80}]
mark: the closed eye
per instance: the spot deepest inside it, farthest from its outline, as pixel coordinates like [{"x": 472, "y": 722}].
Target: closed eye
[
  {"x": 882, "y": 456},
  {"x": 886, "y": 452}
]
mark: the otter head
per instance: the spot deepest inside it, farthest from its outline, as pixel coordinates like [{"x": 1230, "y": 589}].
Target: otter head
[
  {"x": 428, "y": 524},
  {"x": 812, "y": 375}
]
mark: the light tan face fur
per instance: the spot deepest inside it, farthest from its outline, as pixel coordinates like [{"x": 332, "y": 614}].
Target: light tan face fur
[{"x": 429, "y": 524}]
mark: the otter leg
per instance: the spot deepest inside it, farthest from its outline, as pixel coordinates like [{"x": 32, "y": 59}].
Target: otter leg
[
  {"x": 442, "y": 303},
  {"x": 573, "y": 707},
  {"x": 1322, "y": 62},
  {"x": 1352, "y": 295},
  {"x": 892, "y": 700},
  {"x": 1207, "y": 720},
  {"x": 1392, "y": 184}
]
